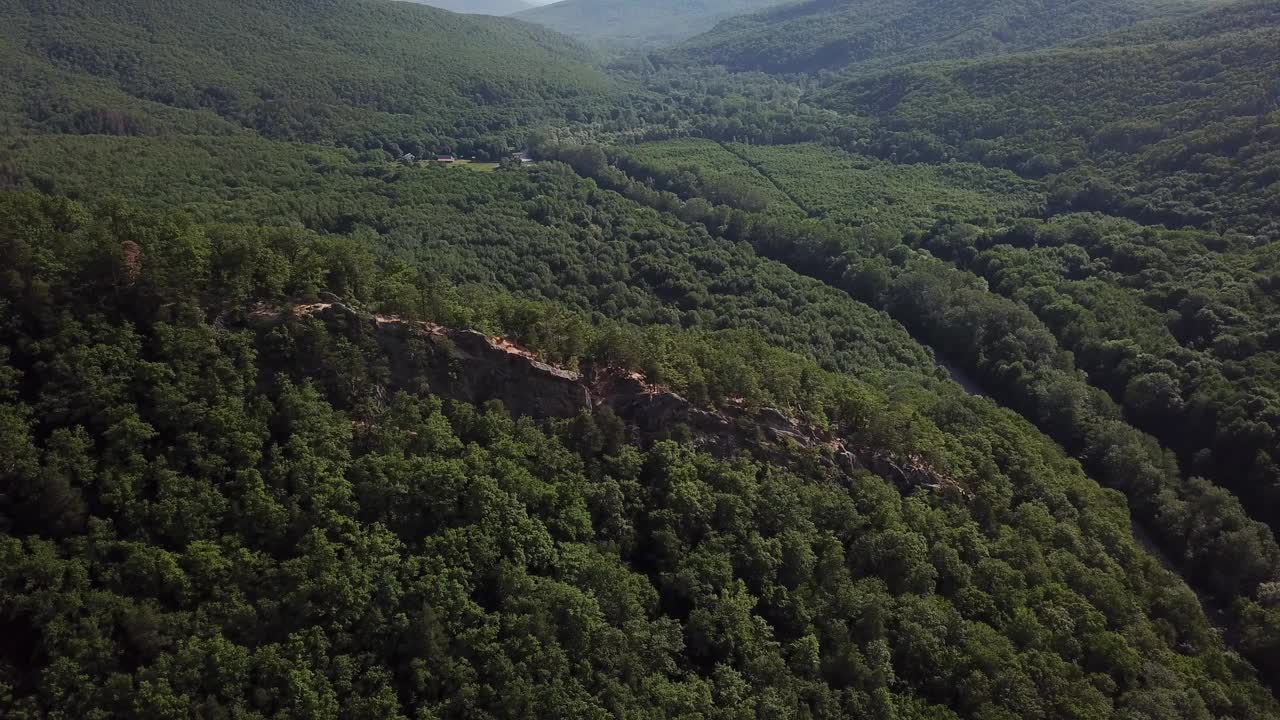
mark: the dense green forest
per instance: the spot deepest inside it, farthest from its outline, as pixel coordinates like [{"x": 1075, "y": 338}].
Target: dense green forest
[
  {"x": 1170, "y": 122},
  {"x": 184, "y": 538},
  {"x": 1017, "y": 357},
  {"x": 832, "y": 35},
  {"x": 1179, "y": 326},
  {"x": 218, "y": 501},
  {"x": 1181, "y": 132},
  {"x": 362, "y": 73}
]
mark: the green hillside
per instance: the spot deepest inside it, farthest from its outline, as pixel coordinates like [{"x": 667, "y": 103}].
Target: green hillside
[
  {"x": 741, "y": 396},
  {"x": 365, "y": 73},
  {"x": 1180, "y": 325},
  {"x": 614, "y": 23},
  {"x": 837, "y": 34},
  {"x": 1019, "y": 337},
  {"x": 1179, "y": 130},
  {"x": 227, "y": 517},
  {"x": 1214, "y": 18}
]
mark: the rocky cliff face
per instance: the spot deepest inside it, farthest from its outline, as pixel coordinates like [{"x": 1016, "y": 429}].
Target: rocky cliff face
[
  {"x": 469, "y": 366},
  {"x": 462, "y": 365}
]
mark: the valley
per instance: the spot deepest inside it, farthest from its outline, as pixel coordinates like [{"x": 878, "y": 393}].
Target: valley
[{"x": 741, "y": 359}]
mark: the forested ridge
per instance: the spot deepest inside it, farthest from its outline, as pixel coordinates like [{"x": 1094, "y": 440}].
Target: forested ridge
[
  {"x": 218, "y": 501},
  {"x": 361, "y": 73},
  {"x": 1178, "y": 326},
  {"x": 1183, "y": 335},
  {"x": 1180, "y": 132},
  {"x": 185, "y": 538},
  {"x": 833, "y": 35},
  {"x": 1205, "y": 528}
]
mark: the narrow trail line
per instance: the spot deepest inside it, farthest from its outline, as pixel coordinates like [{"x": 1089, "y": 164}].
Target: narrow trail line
[{"x": 759, "y": 170}]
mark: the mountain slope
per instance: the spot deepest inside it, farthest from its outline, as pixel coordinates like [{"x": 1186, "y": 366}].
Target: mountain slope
[
  {"x": 638, "y": 24},
  {"x": 362, "y": 72},
  {"x": 1216, "y": 18},
  {"x": 836, "y": 34},
  {"x": 276, "y": 441},
  {"x": 232, "y": 503},
  {"x": 1176, "y": 123},
  {"x": 479, "y": 7}
]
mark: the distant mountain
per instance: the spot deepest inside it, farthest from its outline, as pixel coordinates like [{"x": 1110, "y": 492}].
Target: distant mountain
[
  {"x": 479, "y": 7},
  {"x": 357, "y": 72},
  {"x": 1174, "y": 122},
  {"x": 1218, "y": 18},
  {"x": 639, "y": 24},
  {"x": 835, "y": 34}
]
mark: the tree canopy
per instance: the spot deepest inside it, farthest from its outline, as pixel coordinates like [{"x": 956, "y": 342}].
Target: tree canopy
[{"x": 950, "y": 340}]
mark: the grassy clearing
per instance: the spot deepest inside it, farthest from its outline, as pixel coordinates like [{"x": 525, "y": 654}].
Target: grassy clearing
[
  {"x": 476, "y": 166},
  {"x": 859, "y": 190},
  {"x": 714, "y": 163}
]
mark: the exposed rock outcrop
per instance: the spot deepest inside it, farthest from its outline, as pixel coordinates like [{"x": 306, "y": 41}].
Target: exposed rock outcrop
[
  {"x": 469, "y": 366},
  {"x": 462, "y": 365}
]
